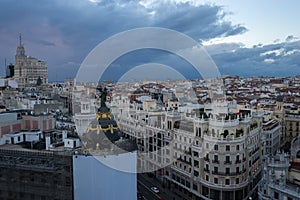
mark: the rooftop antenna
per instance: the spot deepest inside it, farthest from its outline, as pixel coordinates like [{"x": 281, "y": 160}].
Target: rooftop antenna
[
  {"x": 5, "y": 66},
  {"x": 20, "y": 39}
]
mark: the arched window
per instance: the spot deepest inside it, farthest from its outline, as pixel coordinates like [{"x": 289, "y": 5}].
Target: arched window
[
  {"x": 226, "y": 132},
  {"x": 298, "y": 154}
]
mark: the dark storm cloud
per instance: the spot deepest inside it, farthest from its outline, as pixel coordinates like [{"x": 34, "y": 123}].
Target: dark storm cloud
[
  {"x": 60, "y": 31},
  {"x": 223, "y": 47},
  {"x": 282, "y": 59},
  {"x": 204, "y": 22}
]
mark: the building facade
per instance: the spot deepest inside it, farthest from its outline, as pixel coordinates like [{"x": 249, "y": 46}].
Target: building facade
[
  {"x": 32, "y": 174},
  {"x": 29, "y": 71},
  {"x": 12, "y": 122},
  {"x": 271, "y": 132},
  {"x": 279, "y": 181},
  {"x": 204, "y": 155},
  {"x": 292, "y": 124}
]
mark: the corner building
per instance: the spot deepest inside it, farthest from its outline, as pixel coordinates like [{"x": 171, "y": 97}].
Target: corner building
[
  {"x": 28, "y": 70},
  {"x": 217, "y": 154}
]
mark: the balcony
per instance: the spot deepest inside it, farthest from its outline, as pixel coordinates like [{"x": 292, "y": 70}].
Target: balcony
[
  {"x": 196, "y": 148},
  {"x": 227, "y": 162},
  {"x": 228, "y": 173},
  {"x": 206, "y": 170},
  {"x": 255, "y": 150},
  {"x": 216, "y": 173},
  {"x": 184, "y": 161},
  {"x": 255, "y": 160},
  {"x": 189, "y": 152},
  {"x": 224, "y": 123},
  {"x": 238, "y": 161},
  {"x": 216, "y": 161},
  {"x": 206, "y": 159}
]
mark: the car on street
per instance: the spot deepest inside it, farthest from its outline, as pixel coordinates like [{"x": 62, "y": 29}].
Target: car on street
[{"x": 155, "y": 189}]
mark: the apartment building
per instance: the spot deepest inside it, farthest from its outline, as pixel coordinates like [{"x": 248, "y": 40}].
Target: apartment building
[
  {"x": 271, "y": 132},
  {"x": 199, "y": 155}
]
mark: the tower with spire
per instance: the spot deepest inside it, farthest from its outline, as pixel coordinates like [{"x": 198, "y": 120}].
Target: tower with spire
[
  {"x": 28, "y": 70},
  {"x": 20, "y": 48}
]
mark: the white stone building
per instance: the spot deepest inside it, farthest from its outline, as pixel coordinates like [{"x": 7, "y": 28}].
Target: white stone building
[
  {"x": 215, "y": 155},
  {"x": 271, "y": 136},
  {"x": 28, "y": 70},
  {"x": 275, "y": 183}
]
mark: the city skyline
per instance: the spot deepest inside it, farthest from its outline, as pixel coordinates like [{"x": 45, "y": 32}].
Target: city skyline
[
  {"x": 171, "y": 140},
  {"x": 241, "y": 42}
]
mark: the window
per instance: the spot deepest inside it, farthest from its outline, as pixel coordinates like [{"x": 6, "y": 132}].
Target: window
[
  {"x": 227, "y": 170},
  {"x": 237, "y": 147},
  {"x": 216, "y": 169},
  {"x": 216, "y": 158},
  {"x": 237, "y": 181},
  {"x": 182, "y": 181},
  {"x": 216, "y": 147},
  {"x": 196, "y": 163},
  {"x": 207, "y": 157},
  {"x": 196, "y": 154},
  {"x": 195, "y": 187},
  {"x": 227, "y": 148},
  {"x": 237, "y": 169},
  {"x": 207, "y": 178},
  {"x": 216, "y": 181},
  {"x": 227, "y": 159},
  {"x": 199, "y": 132},
  {"x": 196, "y": 173},
  {"x": 227, "y": 181},
  {"x": 276, "y": 195},
  {"x": 226, "y": 133},
  {"x": 188, "y": 184}
]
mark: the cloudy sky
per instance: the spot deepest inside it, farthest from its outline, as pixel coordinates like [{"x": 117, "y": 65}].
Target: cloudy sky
[{"x": 248, "y": 38}]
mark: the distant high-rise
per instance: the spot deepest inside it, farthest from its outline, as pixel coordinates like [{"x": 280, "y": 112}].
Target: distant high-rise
[
  {"x": 28, "y": 69},
  {"x": 10, "y": 71}
]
